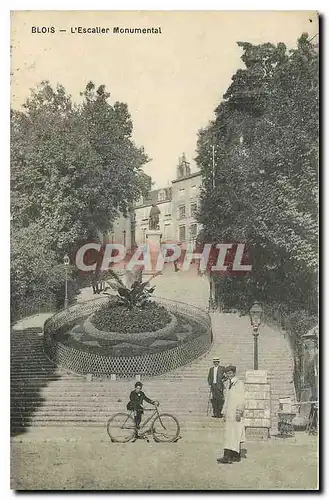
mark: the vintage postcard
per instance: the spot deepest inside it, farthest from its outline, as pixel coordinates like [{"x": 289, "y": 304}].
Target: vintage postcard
[{"x": 164, "y": 250}]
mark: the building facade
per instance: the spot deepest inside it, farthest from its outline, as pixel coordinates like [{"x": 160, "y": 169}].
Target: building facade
[
  {"x": 185, "y": 202},
  {"x": 163, "y": 199},
  {"x": 178, "y": 205}
]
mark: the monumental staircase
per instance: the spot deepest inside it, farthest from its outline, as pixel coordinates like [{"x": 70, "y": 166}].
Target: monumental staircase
[{"x": 44, "y": 395}]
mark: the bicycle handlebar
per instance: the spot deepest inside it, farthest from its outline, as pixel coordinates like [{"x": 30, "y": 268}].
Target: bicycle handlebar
[{"x": 151, "y": 409}]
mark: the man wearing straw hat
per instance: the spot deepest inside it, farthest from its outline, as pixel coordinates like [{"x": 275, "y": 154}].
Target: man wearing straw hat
[
  {"x": 233, "y": 409},
  {"x": 216, "y": 384}
]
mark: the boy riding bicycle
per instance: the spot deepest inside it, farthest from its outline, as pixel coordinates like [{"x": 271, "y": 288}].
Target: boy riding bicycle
[{"x": 137, "y": 396}]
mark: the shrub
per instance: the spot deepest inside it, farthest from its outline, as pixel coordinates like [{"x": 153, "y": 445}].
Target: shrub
[
  {"x": 138, "y": 295},
  {"x": 37, "y": 277},
  {"x": 116, "y": 317},
  {"x": 298, "y": 324}
]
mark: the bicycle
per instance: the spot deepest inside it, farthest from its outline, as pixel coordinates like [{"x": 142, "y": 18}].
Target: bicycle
[{"x": 164, "y": 427}]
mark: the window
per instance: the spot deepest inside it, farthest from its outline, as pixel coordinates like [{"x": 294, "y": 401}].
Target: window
[
  {"x": 161, "y": 195},
  {"x": 167, "y": 231},
  {"x": 167, "y": 210},
  {"x": 193, "y": 230},
  {"x": 193, "y": 191},
  {"x": 181, "y": 212},
  {"x": 182, "y": 233},
  {"x": 194, "y": 208},
  {"x": 182, "y": 193}
]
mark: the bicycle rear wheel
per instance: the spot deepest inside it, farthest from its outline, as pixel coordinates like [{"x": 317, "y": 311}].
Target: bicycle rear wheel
[
  {"x": 121, "y": 428},
  {"x": 165, "y": 428}
]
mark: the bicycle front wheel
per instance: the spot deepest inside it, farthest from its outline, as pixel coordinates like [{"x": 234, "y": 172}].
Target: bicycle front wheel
[
  {"x": 121, "y": 428},
  {"x": 165, "y": 428}
]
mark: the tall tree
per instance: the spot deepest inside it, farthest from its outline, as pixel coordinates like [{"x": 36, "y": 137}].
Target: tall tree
[
  {"x": 265, "y": 135},
  {"x": 74, "y": 168}
]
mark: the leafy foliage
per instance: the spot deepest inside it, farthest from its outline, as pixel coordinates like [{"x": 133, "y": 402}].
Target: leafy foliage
[
  {"x": 138, "y": 295},
  {"x": 119, "y": 318},
  {"x": 74, "y": 168},
  {"x": 36, "y": 277},
  {"x": 265, "y": 134}
]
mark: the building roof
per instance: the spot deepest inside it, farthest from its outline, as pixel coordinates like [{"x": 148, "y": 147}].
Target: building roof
[
  {"x": 152, "y": 198},
  {"x": 194, "y": 174}
]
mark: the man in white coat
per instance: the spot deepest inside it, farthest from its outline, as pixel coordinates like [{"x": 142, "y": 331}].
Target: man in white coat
[{"x": 233, "y": 409}]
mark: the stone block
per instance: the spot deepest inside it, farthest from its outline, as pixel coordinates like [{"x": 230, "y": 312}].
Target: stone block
[
  {"x": 256, "y": 387},
  {"x": 257, "y": 422},
  {"x": 258, "y": 395},
  {"x": 258, "y": 404},
  {"x": 257, "y": 433},
  {"x": 257, "y": 414},
  {"x": 256, "y": 377}
]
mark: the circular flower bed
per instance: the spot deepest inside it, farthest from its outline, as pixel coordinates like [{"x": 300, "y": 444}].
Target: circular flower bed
[
  {"x": 117, "y": 318},
  {"x": 72, "y": 340}
]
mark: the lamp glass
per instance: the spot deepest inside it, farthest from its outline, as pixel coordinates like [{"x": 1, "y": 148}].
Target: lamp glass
[
  {"x": 256, "y": 313},
  {"x": 66, "y": 260}
]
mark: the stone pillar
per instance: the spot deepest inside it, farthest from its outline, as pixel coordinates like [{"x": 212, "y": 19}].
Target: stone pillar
[
  {"x": 153, "y": 238},
  {"x": 257, "y": 414}
]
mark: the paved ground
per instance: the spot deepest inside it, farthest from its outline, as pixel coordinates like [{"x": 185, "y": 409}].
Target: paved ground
[
  {"x": 85, "y": 459},
  {"x": 184, "y": 286}
]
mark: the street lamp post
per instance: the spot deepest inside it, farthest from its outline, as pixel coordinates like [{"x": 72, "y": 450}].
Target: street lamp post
[
  {"x": 256, "y": 313},
  {"x": 124, "y": 238},
  {"x": 66, "y": 265}
]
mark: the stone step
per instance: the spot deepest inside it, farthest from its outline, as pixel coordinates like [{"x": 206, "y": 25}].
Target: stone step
[
  {"x": 96, "y": 417},
  {"x": 199, "y": 409},
  {"x": 39, "y": 368},
  {"x": 222, "y": 352},
  {"x": 190, "y": 381},
  {"x": 188, "y": 377},
  {"x": 47, "y": 396},
  {"x": 78, "y": 398},
  {"x": 97, "y": 392}
]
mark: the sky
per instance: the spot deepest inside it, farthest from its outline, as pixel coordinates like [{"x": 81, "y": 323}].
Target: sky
[{"x": 172, "y": 81}]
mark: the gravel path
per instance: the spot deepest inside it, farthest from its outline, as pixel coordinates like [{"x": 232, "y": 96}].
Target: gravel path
[{"x": 84, "y": 459}]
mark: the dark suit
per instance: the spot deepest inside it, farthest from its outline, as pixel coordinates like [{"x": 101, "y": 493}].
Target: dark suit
[
  {"x": 135, "y": 403},
  {"x": 217, "y": 390}
]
